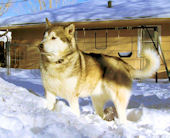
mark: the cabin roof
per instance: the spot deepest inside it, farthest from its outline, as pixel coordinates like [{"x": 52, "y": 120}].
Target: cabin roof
[{"x": 95, "y": 10}]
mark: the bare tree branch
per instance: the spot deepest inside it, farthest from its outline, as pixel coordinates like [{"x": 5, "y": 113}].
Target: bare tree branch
[
  {"x": 4, "y": 7},
  {"x": 56, "y": 3},
  {"x": 17, "y": 1},
  {"x": 50, "y": 2},
  {"x": 40, "y": 4},
  {"x": 46, "y": 4}
]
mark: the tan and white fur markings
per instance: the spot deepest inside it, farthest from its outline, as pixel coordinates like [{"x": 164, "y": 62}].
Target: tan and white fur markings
[{"x": 70, "y": 73}]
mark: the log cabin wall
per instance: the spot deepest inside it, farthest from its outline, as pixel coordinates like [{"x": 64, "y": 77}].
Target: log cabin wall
[
  {"x": 24, "y": 48},
  {"x": 117, "y": 41},
  {"x": 25, "y": 53},
  {"x": 165, "y": 43}
]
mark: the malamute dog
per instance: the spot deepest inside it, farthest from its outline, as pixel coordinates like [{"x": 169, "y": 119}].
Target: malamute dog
[{"x": 69, "y": 73}]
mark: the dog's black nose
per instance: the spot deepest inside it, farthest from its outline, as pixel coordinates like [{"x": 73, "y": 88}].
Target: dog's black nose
[{"x": 41, "y": 46}]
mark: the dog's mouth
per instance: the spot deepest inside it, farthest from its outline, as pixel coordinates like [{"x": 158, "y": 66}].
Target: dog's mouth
[
  {"x": 46, "y": 53},
  {"x": 59, "y": 61}
]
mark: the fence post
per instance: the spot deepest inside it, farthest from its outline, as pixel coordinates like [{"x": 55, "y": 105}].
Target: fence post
[{"x": 8, "y": 57}]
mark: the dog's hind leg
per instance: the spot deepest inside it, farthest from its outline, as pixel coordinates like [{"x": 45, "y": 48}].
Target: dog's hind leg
[
  {"x": 50, "y": 100},
  {"x": 99, "y": 98},
  {"x": 121, "y": 99}
]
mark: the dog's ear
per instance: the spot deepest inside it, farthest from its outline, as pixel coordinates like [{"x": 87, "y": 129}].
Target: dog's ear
[
  {"x": 48, "y": 24},
  {"x": 70, "y": 29}
]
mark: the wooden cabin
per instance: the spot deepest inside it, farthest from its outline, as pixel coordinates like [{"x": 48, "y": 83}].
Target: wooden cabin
[{"x": 124, "y": 37}]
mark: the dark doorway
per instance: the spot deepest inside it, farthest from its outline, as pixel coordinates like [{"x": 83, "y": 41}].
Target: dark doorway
[{"x": 2, "y": 54}]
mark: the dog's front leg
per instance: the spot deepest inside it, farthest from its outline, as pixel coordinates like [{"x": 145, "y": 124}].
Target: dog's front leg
[
  {"x": 98, "y": 104},
  {"x": 50, "y": 100},
  {"x": 74, "y": 105}
]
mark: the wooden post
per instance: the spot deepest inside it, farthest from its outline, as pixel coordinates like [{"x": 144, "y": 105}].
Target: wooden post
[
  {"x": 156, "y": 36},
  {"x": 160, "y": 52},
  {"x": 8, "y": 57},
  {"x": 156, "y": 77},
  {"x": 109, "y": 4}
]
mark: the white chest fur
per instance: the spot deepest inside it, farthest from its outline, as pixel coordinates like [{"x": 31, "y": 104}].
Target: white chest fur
[{"x": 60, "y": 84}]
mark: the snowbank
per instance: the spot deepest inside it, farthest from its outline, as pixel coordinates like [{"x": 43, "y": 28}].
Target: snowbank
[{"x": 22, "y": 113}]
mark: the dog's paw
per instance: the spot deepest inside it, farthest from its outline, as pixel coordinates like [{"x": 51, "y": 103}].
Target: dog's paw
[
  {"x": 61, "y": 106},
  {"x": 110, "y": 114},
  {"x": 48, "y": 105}
]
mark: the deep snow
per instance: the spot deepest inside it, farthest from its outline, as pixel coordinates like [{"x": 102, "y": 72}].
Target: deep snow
[{"x": 22, "y": 113}]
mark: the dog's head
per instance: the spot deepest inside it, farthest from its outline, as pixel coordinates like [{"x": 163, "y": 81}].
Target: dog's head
[{"x": 57, "y": 40}]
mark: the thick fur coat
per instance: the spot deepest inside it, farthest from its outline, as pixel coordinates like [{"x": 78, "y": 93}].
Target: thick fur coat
[{"x": 69, "y": 73}]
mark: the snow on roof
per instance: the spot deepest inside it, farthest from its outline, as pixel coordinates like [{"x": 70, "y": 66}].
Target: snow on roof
[{"x": 96, "y": 10}]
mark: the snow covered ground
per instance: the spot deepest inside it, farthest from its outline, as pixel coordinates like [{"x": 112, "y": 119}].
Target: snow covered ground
[{"x": 22, "y": 113}]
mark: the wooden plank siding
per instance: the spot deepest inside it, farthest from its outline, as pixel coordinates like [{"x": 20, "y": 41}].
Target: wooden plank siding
[
  {"x": 165, "y": 44},
  {"x": 25, "y": 53},
  {"x": 24, "y": 48}
]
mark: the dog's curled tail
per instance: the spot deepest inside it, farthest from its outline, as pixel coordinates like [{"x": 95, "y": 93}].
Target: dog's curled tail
[{"x": 151, "y": 66}]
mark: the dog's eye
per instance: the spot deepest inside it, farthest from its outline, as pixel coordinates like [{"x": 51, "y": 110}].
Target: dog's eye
[{"x": 53, "y": 38}]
